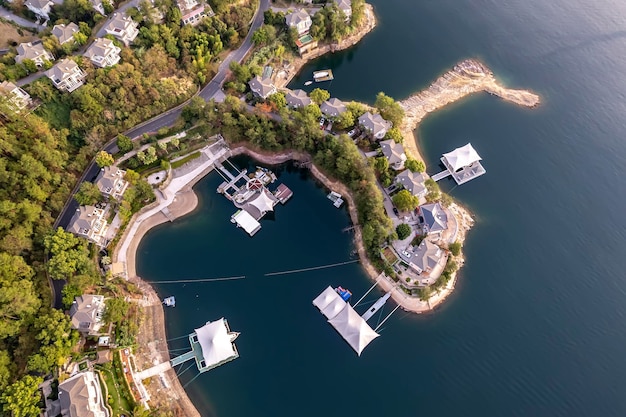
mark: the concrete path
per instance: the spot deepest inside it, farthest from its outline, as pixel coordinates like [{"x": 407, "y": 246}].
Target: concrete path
[{"x": 155, "y": 370}]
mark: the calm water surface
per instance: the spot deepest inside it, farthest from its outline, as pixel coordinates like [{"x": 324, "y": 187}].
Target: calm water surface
[{"x": 536, "y": 326}]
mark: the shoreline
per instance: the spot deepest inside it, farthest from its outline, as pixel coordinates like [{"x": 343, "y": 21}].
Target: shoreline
[{"x": 366, "y": 27}]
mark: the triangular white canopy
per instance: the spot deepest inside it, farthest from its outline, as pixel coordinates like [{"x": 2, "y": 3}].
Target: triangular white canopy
[
  {"x": 462, "y": 157},
  {"x": 353, "y": 328},
  {"x": 263, "y": 202},
  {"x": 216, "y": 342},
  {"x": 325, "y": 298}
]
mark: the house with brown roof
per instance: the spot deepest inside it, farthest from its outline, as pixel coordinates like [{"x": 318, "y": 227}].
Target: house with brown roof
[
  {"x": 110, "y": 182},
  {"x": 33, "y": 51},
  {"x": 89, "y": 222},
  {"x": 81, "y": 396},
  {"x": 103, "y": 53},
  {"x": 123, "y": 28},
  {"x": 65, "y": 33}
]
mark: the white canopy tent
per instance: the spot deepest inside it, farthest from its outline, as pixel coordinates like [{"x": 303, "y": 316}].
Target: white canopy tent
[
  {"x": 263, "y": 202},
  {"x": 353, "y": 328},
  {"x": 325, "y": 298},
  {"x": 462, "y": 157},
  {"x": 216, "y": 342}
]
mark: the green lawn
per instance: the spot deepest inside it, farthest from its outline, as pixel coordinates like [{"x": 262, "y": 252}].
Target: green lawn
[
  {"x": 56, "y": 113},
  {"x": 186, "y": 159},
  {"x": 118, "y": 403}
]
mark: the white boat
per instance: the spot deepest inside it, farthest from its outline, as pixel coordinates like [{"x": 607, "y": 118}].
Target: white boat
[
  {"x": 320, "y": 74},
  {"x": 308, "y": 82},
  {"x": 169, "y": 301}
]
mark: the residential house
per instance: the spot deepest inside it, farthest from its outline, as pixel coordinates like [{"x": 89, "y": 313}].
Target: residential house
[
  {"x": 375, "y": 124},
  {"x": 86, "y": 313},
  {"x": 297, "y": 98},
  {"x": 394, "y": 152},
  {"x": 111, "y": 182},
  {"x": 81, "y": 396},
  {"x": 306, "y": 45},
  {"x": 89, "y": 222},
  {"x": 300, "y": 20},
  {"x": 16, "y": 98},
  {"x": 123, "y": 28},
  {"x": 40, "y": 7},
  {"x": 66, "y": 75},
  {"x": 33, "y": 51},
  {"x": 103, "y": 53},
  {"x": 192, "y": 12},
  {"x": 435, "y": 219},
  {"x": 262, "y": 87},
  {"x": 333, "y": 107},
  {"x": 346, "y": 7},
  {"x": 413, "y": 182},
  {"x": 65, "y": 33},
  {"x": 428, "y": 260},
  {"x": 98, "y": 6}
]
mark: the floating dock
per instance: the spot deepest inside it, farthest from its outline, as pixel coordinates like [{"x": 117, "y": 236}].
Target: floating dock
[
  {"x": 170, "y": 301},
  {"x": 323, "y": 75},
  {"x": 245, "y": 220},
  {"x": 335, "y": 198},
  {"x": 463, "y": 164},
  {"x": 283, "y": 193}
]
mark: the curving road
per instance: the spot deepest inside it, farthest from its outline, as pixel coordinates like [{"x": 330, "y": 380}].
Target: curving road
[{"x": 212, "y": 90}]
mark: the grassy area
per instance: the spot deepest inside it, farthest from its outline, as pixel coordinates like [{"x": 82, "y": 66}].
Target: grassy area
[
  {"x": 119, "y": 405},
  {"x": 56, "y": 113},
  {"x": 186, "y": 159},
  {"x": 9, "y": 35}
]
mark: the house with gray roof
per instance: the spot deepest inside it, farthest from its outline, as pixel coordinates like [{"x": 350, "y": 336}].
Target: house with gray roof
[
  {"x": 81, "y": 396},
  {"x": 297, "y": 98},
  {"x": 435, "y": 218},
  {"x": 16, "y": 98},
  {"x": 300, "y": 20},
  {"x": 413, "y": 182},
  {"x": 86, "y": 313},
  {"x": 111, "y": 182},
  {"x": 98, "y": 6},
  {"x": 66, "y": 75},
  {"x": 103, "y": 53},
  {"x": 346, "y": 7},
  {"x": 333, "y": 107},
  {"x": 262, "y": 87},
  {"x": 89, "y": 222},
  {"x": 65, "y": 33},
  {"x": 40, "y": 7},
  {"x": 375, "y": 124},
  {"x": 192, "y": 12},
  {"x": 428, "y": 261},
  {"x": 123, "y": 28},
  {"x": 394, "y": 152},
  {"x": 33, "y": 51}
]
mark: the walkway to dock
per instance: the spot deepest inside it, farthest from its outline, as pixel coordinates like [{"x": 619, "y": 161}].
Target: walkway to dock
[
  {"x": 155, "y": 370},
  {"x": 183, "y": 358},
  {"x": 441, "y": 175}
]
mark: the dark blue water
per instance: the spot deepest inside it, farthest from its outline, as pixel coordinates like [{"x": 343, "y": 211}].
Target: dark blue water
[{"x": 536, "y": 326}]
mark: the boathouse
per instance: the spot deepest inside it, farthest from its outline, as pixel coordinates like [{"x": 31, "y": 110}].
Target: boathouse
[{"x": 463, "y": 164}]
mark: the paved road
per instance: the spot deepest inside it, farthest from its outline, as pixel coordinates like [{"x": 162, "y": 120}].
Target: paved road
[{"x": 8, "y": 15}]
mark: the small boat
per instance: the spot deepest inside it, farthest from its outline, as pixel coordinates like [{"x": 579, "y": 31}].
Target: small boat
[
  {"x": 324, "y": 75},
  {"x": 335, "y": 198},
  {"x": 308, "y": 82},
  {"x": 345, "y": 294},
  {"x": 169, "y": 301}
]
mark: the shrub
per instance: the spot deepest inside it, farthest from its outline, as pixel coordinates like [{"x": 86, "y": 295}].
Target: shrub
[{"x": 403, "y": 230}]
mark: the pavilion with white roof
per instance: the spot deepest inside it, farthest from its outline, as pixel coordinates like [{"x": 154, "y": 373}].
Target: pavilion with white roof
[{"x": 462, "y": 163}]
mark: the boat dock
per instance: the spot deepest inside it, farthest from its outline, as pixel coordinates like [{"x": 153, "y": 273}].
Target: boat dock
[
  {"x": 335, "y": 198},
  {"x": 323, "y": 75},
  {"x": 463, "y": 164},
  {"x": 283, "y": 193},
  {"x": 441, "y": 175}
]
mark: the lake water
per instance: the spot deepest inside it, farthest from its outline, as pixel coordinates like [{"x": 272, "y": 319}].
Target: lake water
[{"x": 536, "y": 326}]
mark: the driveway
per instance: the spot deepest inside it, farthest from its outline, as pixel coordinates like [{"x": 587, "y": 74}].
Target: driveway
[{"x": 9, "y": 15}]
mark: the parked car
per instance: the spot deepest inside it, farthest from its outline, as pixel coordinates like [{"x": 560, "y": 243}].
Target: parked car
[
  {"x": 352, "y": 132},
  {"x": 395, "y": 211}
]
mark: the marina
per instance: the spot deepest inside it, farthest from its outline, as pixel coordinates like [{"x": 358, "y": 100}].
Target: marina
[
  {"x": 323, "y": 75},
  {"x": 463, "y": 164}
]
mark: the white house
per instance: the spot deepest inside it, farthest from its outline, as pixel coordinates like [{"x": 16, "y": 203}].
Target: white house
[
  {"x": 123, "y": 28},
  {"x": 375, "y": 124},
  {"x": 192, "y": 12},
  {"x": 394, "y": 152},
  {"x": 413, "y": 182},
  {"x": 111, "y": 182},
  {"x": 300, "y": 20},
  {"x": 89, "y": 222},
  {"x": 40, "y": 7},
  {"x": 103, "y": 53},
  {"x": 65, "y": 33},
  {"x": 33, "y": 51},
  {"x": 346, "y": 7},
  {"x": 66, "y": 75},
  {"x": 86, "y": 313},
  {"x": 262, "y": 87},
  {"x": 16, "y": 98},
  {"x": 81, "y": 396}
]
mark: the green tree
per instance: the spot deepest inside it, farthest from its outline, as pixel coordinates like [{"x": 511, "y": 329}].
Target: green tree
[
  {"x": 148, "y": 156},
  {"x": 88, "y": 194},
  {"x": 395, "y": 134},
  {"x": 116, "y": 310},
  {"x": 56, "y": 339},
  {"x": 389, "y": 109},
  {"x": 345, "y": 120},
  {"x": 433, "y": 190},
  {"x": 124, "y": 143},
  {"x": 18, "y": 295},
  {"x": 414, "y": 165},
  {"x": 403, "y": 230},
  {"x": 405, "y": 201},
  {"x": 131, "y": 176},
  {"x": 278, "y": 100},
  {"x": 104, "y": 159},
  {"x": 455, "y": 248},
  {"x": 69, "y": 292},
  {"x": 6, "y": 368},
  {"x": 319, "y": 96},
  {"x": 21, "y": 399}
]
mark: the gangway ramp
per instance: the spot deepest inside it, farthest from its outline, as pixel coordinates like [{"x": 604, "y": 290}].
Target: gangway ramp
[{"x": 441, "y": 175}]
